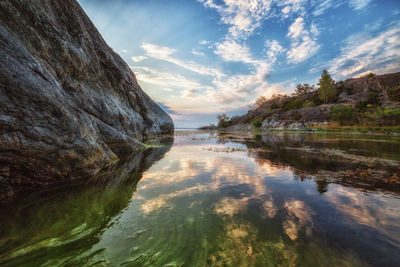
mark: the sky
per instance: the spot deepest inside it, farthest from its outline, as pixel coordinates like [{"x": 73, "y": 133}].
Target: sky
[{"x": 198, "y": 59}]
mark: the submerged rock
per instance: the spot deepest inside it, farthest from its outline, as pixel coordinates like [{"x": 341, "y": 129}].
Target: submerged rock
[{"x": 69, "y": 105}]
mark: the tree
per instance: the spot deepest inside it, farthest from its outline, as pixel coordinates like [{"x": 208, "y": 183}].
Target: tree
[
  {"x": 258, "y": 102},
  {"x": 326, "y": 90},
  {"x": 224, "y": 121},
  {"x": 303, "y": 89}
]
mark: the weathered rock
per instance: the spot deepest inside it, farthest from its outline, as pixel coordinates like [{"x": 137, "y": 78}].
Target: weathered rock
[
  {"x": 306, "y": 110},
  {"x": 69, "y": 105}
]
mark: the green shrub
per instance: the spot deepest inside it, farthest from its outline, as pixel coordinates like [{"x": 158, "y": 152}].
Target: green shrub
[
  {"x": 344, "y": 114},
  {"x": 293, "y": 104},
  {"x": 394, "y": 94},
  {"x": 257, "y": 124},
  {"x": 384, "y": 116},
  {"x": 308, "y": 103}
]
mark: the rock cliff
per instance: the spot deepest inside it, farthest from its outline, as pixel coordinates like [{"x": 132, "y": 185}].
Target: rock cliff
[{"x": 69, "y": 105}]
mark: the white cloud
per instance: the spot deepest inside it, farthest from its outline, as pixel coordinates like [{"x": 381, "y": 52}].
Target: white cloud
[
  {"x": 138, "y": 58},
  {"x": 363, "y": 52},
  {"x": 304, "y": 44},
  {"x": 273, "y": 49},
  {"x": 358, "y": 4},
  {"x": 321, "y": 7},
  {"x": 302, "y": 50},
  {"x": 314, "y": 29},
  {"x": 124, "y": 51},
  {"x": 204, "y": 42},
  {"x": 164, "y": 79},
  {"x": 165, "y": 53},
  {"x": 197, "y": 53},
  {"x": 374, "y": 26},
  {"x": 297, "y": 28},
  {"x": 292, "y": 7},
  {"x": 243, "y": 16},
  {"x": 231, "y": 50}
]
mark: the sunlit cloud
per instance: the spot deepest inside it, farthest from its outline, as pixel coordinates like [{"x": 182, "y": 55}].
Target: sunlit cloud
[
  {"x": 243, "y": 16},
  {"x": 165, "y": 53},
  {"x": 363, "y": 52},
  {"x": 165, "y": 79},
  {"x": 304, "y": 44}
]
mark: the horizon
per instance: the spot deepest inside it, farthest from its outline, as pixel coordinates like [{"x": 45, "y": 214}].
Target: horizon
[{"x": 198, "y": 59}]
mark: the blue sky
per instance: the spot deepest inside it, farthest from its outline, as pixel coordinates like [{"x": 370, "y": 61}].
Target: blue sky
[{"x": 201, "y": 58}]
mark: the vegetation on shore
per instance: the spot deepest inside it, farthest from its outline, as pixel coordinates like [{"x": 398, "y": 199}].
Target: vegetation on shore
[{"x": 368, "y": 103}]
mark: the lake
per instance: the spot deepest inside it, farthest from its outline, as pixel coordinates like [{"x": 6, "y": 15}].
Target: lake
[{"x": 221, "y": 199}]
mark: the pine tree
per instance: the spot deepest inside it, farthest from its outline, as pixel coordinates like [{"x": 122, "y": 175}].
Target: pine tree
[{"x": 326, "y": 91}]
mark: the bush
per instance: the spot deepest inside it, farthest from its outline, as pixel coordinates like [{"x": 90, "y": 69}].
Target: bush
[
  {"x": 343, "y": 114},
  {"x": 293, "y": 104},
  {"x": 394, "y": 94},
  {"x": 257, "y": 124},
  {"x": 308, "y": 103},
  {"x": 385, "y": 116}
]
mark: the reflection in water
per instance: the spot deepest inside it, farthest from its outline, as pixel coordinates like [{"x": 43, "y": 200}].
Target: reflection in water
[
  {"x": 247, "y": 201},
  {"x": 54, "y": 227}
]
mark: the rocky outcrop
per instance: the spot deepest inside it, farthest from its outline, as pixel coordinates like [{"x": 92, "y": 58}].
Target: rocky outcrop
[
  {"x": 69, "y": 105},
  {"x": 305, "y": 111}
]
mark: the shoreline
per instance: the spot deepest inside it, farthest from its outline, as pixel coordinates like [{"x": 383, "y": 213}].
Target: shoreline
[{"x": 345, "y": 129}]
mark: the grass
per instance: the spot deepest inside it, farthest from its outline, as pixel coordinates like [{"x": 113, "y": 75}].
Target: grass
[{"x": 359, "y": 128}]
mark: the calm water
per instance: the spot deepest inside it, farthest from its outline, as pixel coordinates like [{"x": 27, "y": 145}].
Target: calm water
[{"x": 224, "y": 199}]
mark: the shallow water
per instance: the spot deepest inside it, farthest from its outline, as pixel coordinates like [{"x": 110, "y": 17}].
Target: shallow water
[{"x": 222, "y": 199}]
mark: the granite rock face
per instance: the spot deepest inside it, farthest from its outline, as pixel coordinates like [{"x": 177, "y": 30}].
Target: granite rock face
[{"x": 69, "y": 105}]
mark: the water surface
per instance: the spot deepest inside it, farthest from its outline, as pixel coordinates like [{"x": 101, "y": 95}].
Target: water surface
[{"x": 222, "y": 199}]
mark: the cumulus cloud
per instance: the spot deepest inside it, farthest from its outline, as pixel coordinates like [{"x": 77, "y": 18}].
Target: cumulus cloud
[
  {"x": 304, "y": 44},
  {"x": 363, "y": 52}
]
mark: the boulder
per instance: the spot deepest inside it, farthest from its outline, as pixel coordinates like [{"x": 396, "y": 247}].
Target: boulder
[{"x": 69, "y": 105}]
